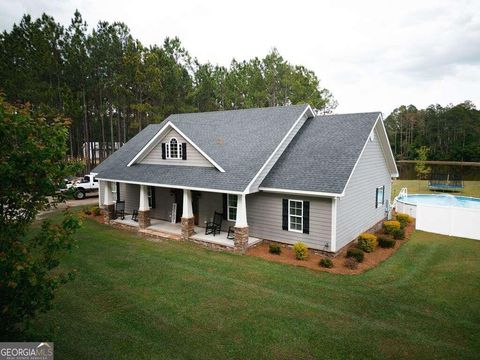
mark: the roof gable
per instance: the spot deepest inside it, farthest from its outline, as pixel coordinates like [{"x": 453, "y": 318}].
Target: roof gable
[
  {"x": 323, "y": 155},
  {"x": 193, "y": 156},
  {"x": 154, "y": 142},
  {"x": 239, "y": 139}
]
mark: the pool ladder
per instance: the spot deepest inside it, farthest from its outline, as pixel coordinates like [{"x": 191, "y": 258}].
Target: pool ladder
[{"x": 403, "y": 192}]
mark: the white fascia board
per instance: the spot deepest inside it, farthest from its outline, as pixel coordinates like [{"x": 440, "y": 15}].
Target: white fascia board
[
  {"x": 156, "y": 137},
  {"x": 147, "y": 146},
  {"x": 389, "y": 150},
  {"x": 307, "y": 109},
  {"x": 395, "y": 174},
  {"x": 173, "y": 186},
  {"x": 219, "y": 168},
  {"x": 299, "y": 192},
  {"x": 361, "y": 153}
]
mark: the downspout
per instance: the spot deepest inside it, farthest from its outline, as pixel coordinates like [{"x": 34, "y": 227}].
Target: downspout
[{"x": 333, "y": 240}]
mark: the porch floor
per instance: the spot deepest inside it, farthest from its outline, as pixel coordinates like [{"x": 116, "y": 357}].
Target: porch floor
[{"x": 162, "y": 227}]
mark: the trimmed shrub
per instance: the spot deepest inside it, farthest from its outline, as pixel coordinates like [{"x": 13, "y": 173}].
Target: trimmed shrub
[
  {"x": 355, "y": 253},
  {"x": 367, "y": 242},
  {"x": 274, "y": 249},
  {"x": 389, "y": 226},
  {"x": 96, "y": 211},
  {"x": 403, "y": 219},
  {"x": 351, "y": 263},
  {"x": 326, "y": 263},
  {"x": 386, "y": 242},
  {"x": 398, "y": 234},
  {"x": 301, "y": 251}
]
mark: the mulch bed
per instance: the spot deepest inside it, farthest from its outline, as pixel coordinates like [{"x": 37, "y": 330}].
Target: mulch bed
[
  {"x": 312, "y": 262},
  {"x": 97, "y": 218},
  {"x": 371, "y": 259}
]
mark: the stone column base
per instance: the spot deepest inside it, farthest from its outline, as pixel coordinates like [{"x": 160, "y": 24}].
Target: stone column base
[
  {"x": 241, "y": 239},
  {"x": 144, "y": 219},
  {"x": 188, "y": 227},
  {"x": 108, "y": 212}
]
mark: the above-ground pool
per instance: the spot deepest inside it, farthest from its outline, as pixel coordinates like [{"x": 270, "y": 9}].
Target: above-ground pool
[
  {"x": 442, "y": 213},
  {"x": 441, "y": 200}
]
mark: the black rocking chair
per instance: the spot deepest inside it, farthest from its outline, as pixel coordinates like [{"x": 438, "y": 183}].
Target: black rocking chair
[
  {"x": 120, "y": 210},
  {"x": 214, "y": 227},
  {"x": 135, "y": 215}
]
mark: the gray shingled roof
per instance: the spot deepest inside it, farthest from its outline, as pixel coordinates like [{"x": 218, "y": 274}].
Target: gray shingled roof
[
  {"x": 240, "y": 141},
  {"x": 322, "y": 155}
]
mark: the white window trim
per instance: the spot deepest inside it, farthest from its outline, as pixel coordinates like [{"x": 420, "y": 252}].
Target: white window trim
[
  {"x": 300, "y": 216},
  {"x": 233, "y": 207},
  {"x": 168, "y": 149},
  {"x": 383, "y": 196}
]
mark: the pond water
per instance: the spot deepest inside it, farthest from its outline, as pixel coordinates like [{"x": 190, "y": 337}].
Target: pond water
[{"x": 467, "y": 172}]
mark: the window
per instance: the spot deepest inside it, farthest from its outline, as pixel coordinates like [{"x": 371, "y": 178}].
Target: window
[
  {"x": 380, "y": 200},
  {"x": 295, "y": 215},
  {"x": 173, "y": 149},
  {"x": 113, "y": 189},
  {"x": 232, "y": 201}
]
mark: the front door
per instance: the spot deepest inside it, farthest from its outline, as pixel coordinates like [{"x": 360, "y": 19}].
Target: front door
[
  {"x": 195, "y": 205},
  {"x": 179, "y": 200}
]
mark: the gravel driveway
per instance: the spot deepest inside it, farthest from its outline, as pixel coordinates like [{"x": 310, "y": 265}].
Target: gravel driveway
[{"x": 90, "y": 199}]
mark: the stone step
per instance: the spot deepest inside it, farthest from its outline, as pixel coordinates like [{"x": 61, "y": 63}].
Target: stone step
[{"x": 160, "y": 234}]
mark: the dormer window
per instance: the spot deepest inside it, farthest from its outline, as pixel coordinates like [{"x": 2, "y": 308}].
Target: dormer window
[{"x": 173, "y": 149}]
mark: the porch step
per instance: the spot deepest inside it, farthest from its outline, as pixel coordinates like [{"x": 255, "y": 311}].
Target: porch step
[{"x": 160, "y": 234}]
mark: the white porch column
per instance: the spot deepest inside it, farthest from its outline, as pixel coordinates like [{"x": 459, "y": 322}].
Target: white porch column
[
  {"x": 241, "y": 226},
  {"x": 241, "y": 212},
  {"x": 143, "y": 199},
  {"x": 188, "y": 221},
  {"x": 108, "y": 206},
  {"x": 108, "y": 195},
  {"x": 187, "y": 204},
  {"x": 143, "y": 208}
]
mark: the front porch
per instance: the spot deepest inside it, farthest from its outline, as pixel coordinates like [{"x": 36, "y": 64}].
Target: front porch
[
  {"x": 179, "y": 214},
  {"x": 165, "y": 229}
]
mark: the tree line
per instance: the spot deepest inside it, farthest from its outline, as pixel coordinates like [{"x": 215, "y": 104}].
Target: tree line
[
  {"x": 446, "y": 133},
  {"x": 111, "y": 86}
]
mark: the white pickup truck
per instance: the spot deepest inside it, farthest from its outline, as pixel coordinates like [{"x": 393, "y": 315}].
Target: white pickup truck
[{"x": 83, "y": 186}]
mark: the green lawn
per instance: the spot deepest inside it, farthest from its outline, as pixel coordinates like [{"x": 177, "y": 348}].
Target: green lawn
[
  {"x": 135, "y": 299},
  {"x": 472, "y": 188}
]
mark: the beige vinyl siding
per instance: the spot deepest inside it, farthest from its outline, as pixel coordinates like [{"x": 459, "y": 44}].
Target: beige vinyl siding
[
  {"x": 164, "y": 200},
  {"x": 277, "y": 155},
  {"x": 194, "y": 158},
  {"x": 264, "y": 216},
  {"x": 130, "y": 193},
  {"x": 356, "y": 210},
  {"x": 209, "y": 203}
]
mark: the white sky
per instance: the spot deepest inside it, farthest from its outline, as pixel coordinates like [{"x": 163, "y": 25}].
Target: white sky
[{"x": 372, "y": 55}]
